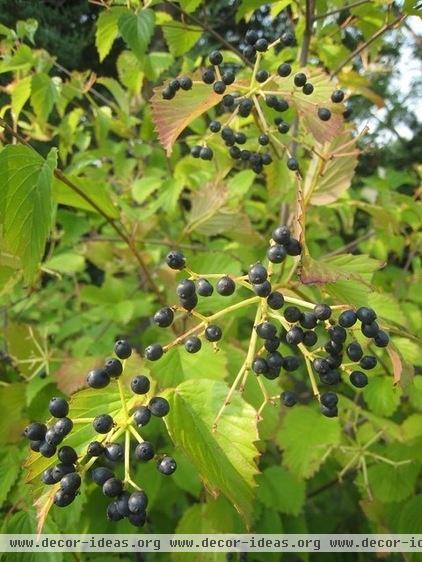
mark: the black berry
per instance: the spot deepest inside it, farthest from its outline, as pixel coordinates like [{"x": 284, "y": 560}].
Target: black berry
[
  {"x": 113, "y": 367},
  {"x": 257, "y": 273},
  {"x": 204, "y": 288},
  {"x": 175, "y": 260},
  {"x": 35, "y": 431},
  {"x": 300, "y": 79},
  {"x": 284, "y": 69},
  {"x": 58, "y": 407},
  {"x": 102, "y": 423},
  {"x": 288, "y": 398},
  {"x": 101, "y": 474},
  {"x": 67, "y": 455},
  {"x": 213, "y": 333},
  {"x": 185, "y": 83},
  {"x": 358, "y": 379},
  {"x": 193, "y": 344},
  {"x": 153, "y": 352},
  {"x": 141, "y": 416},
  {"x": 324, "y": 114},
  {"x": 225, "y": 286},
  {"x": 166, "y": 465},
  {"x": 322, "y": 311},
  {"x": 216, "y": 58},
  {"x": 138, "y": 501},
  {"x": 354, "y": 351},
  {"x": 337, "y": 96},
  {"x": 275, "y": 300},
  {"x": 292, "y": 314},
  {"x": 122, "y": 349},
  {"x": 140, "y": 384},
  {"x": 159, "y": 406},
  {"x": 112, "y": 487},
  {"x": 347, "y": 318},
  {"x": 144, "y": 451},
  {"x": 164, "y": 317}
]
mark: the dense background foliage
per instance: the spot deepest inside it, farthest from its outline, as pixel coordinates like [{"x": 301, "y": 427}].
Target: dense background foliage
[{"x": 70, "y": 285}]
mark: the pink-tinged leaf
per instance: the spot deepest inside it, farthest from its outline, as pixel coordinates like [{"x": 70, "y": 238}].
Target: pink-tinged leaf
[
  {"x": 171, "y": 117},
  {"x": 342, "y": 267},
  {"x": 72, "y": 373},
  {"x": 403, "y": 372},
  {"x": 326, "y": 180},
  {"x": 307, "y": 106}
]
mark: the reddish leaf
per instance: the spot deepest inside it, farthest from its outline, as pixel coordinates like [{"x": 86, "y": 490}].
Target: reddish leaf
[
  {"x": 402, "y": 371},
  {"x": 71, "y": 375},
  {"x": 43, "y": 506}
]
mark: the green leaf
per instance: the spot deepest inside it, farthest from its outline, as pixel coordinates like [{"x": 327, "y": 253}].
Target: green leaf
[
  {"x": 305, "y": 436},
  {"x": 9, "y": 470},
  {"x": 224, "y": 457},
  {"x": 136, "y": 29},
  {"x": 12, "y": 402},
  {"x": 180, "y": 37},
  {"x": 66, "y": 263},
  {"x": 107, "y": 30},
  {"x": 178, "y": 365},
  {"x": 410, "y": 520},
  {"x": 129, "y": 71},
  {"x": 25, "y": 203},
  {"x": 281, "y": 490},
  {"x": 190, "y": 5},
  {"x": 20, "y": 95},
  {"x": 96, "y": 191},
  {"x": 393, "y": 483},
  {"x": 344, "y": 266},
  {"x": 382, "y": 397},
  {"x": 44, "y": 94}
]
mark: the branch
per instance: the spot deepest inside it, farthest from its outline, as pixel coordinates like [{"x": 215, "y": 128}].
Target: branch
[
  {"x": 338, "y": 10},
  {"x": 363, "y": 46},
  {"x": 117, "y": 228},
  {"x": 304, "y": 51},
  {"x": 210, "y": 30}
]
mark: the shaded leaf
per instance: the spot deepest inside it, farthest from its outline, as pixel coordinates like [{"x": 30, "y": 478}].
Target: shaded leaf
[
  {"x": 280, "y": 490},
  {"x": 44, "y": 94},
  {"x": 344, "y": 266},
  {"x": 136, "y": 29}
]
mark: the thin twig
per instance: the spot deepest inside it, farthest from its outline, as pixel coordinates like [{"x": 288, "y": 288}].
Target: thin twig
[
  {"x": 363, "y": 46},
  {"x": 338, "y": 10}
]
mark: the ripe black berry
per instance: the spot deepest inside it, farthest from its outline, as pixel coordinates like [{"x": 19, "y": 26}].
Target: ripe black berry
[
  {"x": 141, "y": 416},
  {"x": 370, "y": 330},
  {"x": 48, "y": 478},
  {"x": 67, "y": 455},
  {"x": 294, "y": 336},
  {"x": 329, "y": 399},
  {"x": 35, "y": 445},
  {"x": 58, "y": 407},
  {"x": 262, "y": 289},
  {"x": 113, "y": 368},
  {"x": 208, "y": 76},
  {"x": 292, "y": 164},
  {"x": 259, "y": 365},
  {"x": 112, "y": 487},
  {"x": 358, "y": 379},
  {"x": 261, "y": 76},
  {"x": 228, "y": 77},
  {"x": 333, "y": 348},
  {"x": 240, "y": 138},
  {"x": 307, "y": 89},
  {"x": 228, "y": 100},
  {"x": 335, "y": 361},
  {"x": 291, "y": 363},
  {"x": 322, "y": 311},
  {"x": 144, "y": 451},
  {"x": 101, "y": 474},
  {"x": 175, "y": 260},
  {"x": 63, "y": 499},
  {"x": 35, "y": 431},
  {"x": 159, "y": 406},
  {"x": 204, "y": 288},
  {"x": 249, "y": 51},
  {"x": 354, "y": 351},
  {"x": 140, "y": 384},
  {"x": 225, "y": 286},
  {"x": 366, "y": 315},
  {"x": 122, "y": 504},
  {"x": 283, "y": 127},
  {"x": 251, "y": 37},
  {"x": 235, "y": 152},
  {"x": 324, "y": 114},
  {"x": 381, "y": 339},
  {"x": 281, "y": 235},
  {"x": 329, "y": 412},
  {"x": 95, "y": 449},
  {"x": 274, "y": 360},
  {"x": 288, "y": 38},
  {"x": 166, "y": 465},
  {"x": 271, "y": 100},
  {"x": 137, "y": 502},
  {"x": 102, "y": 423},
  {"x": 308, "y": 320},
  {"x": 292, "y": 314},
  {"x": 263, "y": 139},
  {"x": 368, "y": 362},
  {"x": 63, "y": 426},
  {"x": 61, "y": 470},
  {"x": 122, "y": 349},
  {"x": 213, "y": 333},
  {"x": 70, "y": 483},
  {"x": 206, "y": 153},
  {"x": 261, "y": 45},
  {"x": 193, "y": 344},
  {"x": 137, "y": 519},
  {"x": 337, "y": 334},
  {"x": 284, "y": 69},
  {"x": 175, "y": 85},
  {"x": 266, "y": 330},
  {"x": 300, "y": 79},
  {"x": 47, "y": 450},
  {"x": 347, "y": 318},
  {"x": 113, "y": 513},
  {"x": 257, "y": 273},
  {"x": 189, "y": 303},
  {"x": 275, "y": 300},
  {"x": 321, "y": 365},
  {"x": 245, "y": 107},
  {"x": 309, "y": 338},
  {"x": 114, "y": 452},
  {"x": 215, "y": 126},
  {"x": 276, "y": 253},
  {"x": 288, "y": 398},
  {"x": 215, "y": 58},
  {"x": 168, "y": 93},
  {"x": 164, "y": 317},
  {"x": 332, "y": 377},
  {"x": 185, "y": 83},
  {"x": 195, "y": 151},
  {"x": 272, "y": 344},
  {"x": 219, "y": 87},
  {"x": 294, "y": 247},
  {"x": 281, "y": 105},
  {"x": 337, "y": 96},
  {"x": 153, "y": 352},
  {"x": 52, "y": 437}
]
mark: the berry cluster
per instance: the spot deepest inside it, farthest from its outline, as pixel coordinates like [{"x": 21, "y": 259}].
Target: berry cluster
[
  {"x": 67, "y": 474},
  {"x": 261, "y": 99},
  {"x": 318, "y": 337}
]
